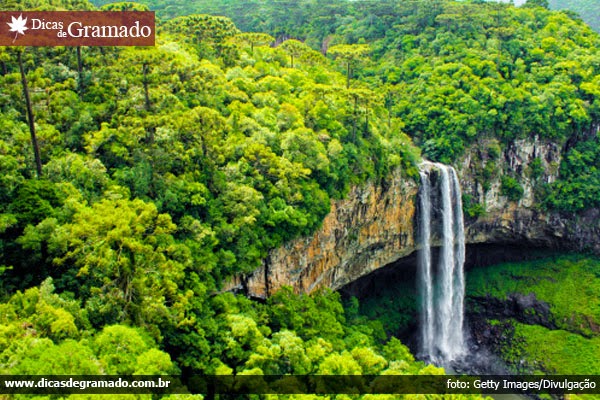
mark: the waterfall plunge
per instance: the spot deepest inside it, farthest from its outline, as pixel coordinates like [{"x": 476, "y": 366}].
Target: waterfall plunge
[{"x": 442, "y": 293}]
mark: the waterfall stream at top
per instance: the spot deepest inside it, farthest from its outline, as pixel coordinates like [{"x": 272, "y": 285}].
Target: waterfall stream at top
[{"x": 441, "y": 289}]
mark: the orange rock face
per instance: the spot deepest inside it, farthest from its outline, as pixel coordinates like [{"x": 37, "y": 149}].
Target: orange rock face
[{"x": 369, "y": 229}]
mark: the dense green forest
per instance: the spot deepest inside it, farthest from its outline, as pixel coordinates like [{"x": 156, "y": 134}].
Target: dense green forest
[
  {"x": 455, "y": 72},
  {"x": 304, "y": 10},
  {"x": 135, "y": 181}
]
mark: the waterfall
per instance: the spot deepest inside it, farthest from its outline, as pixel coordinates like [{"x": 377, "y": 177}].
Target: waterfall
[
  {"x": 442, "y": 293},
  {"x": 426, "y": 287},
  {"x": 459, "y": 259}
]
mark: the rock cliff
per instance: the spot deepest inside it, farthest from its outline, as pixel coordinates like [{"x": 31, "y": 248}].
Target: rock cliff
[
  {"x": 375, "y": 225},
  {"x": 522, "y": 221},
  {"x": 369, "y": 229}
]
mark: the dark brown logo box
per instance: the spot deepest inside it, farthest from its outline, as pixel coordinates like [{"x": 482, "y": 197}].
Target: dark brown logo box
[{"x": 77, "y": 28}]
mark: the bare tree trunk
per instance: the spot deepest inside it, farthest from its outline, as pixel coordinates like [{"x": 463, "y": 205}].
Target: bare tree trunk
[
  {"x": 145, "y": 83},
  {"x": 30, "y": 121},
  {"x": 148, "y": 103},
  {"x": 354, "y": 119},
  {"x": 348, "y": 76},
  {"x": 80, "y": 86}
]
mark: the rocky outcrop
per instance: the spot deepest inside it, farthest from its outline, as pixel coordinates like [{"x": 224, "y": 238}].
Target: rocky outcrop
[
  {"x": 369, "y": 229},
  {"x": 523, "y": 221},
  {"x": 524, "y": 308},
  {"x": 375, "y": 225}
]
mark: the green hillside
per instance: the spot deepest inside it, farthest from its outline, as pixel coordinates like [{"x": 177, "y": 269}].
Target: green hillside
[{"x": 586, "y": 9}]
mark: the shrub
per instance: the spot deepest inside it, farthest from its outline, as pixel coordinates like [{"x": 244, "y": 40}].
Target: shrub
[{"x": 511, "y": 188}]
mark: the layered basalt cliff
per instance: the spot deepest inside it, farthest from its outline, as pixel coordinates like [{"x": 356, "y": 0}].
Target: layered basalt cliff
[
  {"x": 523, "y": 222},
  {"x": 370, "y": 228},
  {"x": 375, "y": 224}
]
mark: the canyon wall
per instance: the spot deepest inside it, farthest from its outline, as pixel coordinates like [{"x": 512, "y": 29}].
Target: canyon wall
[
  {"x": 523, "y": 222},
  {"x": 375, "y": 224},
  {"x": 370, "y": 228}
]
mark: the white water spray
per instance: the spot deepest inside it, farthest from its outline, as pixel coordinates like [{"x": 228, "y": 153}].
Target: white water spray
[
  {"x": 425, "y": 282},
  {"x": 442, "y": 294}
]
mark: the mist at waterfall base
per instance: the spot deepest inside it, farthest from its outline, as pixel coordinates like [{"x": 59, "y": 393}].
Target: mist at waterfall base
[{"x": 441, "y": 281}]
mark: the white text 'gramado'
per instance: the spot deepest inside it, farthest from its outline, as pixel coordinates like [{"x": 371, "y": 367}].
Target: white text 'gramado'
[{"x": 77, "y": 29}]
